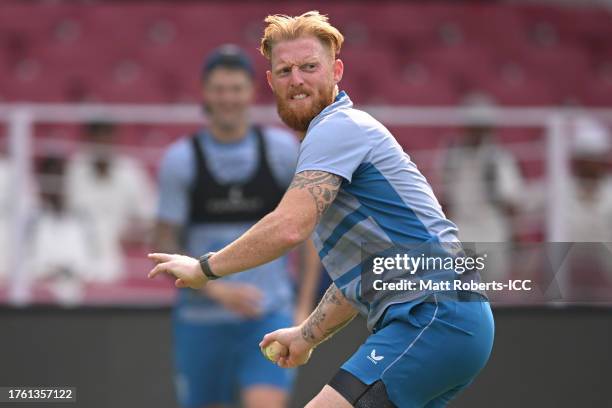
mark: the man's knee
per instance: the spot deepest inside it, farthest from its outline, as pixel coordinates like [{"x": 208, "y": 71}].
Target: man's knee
[
  {"x": 264, "y": 397},
  {"x": 328, "y": 398}
]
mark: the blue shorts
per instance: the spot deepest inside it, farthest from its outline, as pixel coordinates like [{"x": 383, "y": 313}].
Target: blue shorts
[
  {"x": 426, "y": 351},
  {"x": 215, "y": 361}
]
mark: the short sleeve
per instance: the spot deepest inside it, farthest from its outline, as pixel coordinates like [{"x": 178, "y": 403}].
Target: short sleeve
[
  {"x": 336, "y": 145},
  {"x": 175, "y": 177}
]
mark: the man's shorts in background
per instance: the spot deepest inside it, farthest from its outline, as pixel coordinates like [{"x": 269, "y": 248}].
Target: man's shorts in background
[{"x": 215, "y": 361}]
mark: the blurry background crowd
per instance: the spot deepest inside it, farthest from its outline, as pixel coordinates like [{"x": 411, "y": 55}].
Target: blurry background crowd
[{"x": 87, "y": 189}]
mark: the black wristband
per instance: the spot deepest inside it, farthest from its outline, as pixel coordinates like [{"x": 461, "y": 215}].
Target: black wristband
[{"x": 206, "y": 267}]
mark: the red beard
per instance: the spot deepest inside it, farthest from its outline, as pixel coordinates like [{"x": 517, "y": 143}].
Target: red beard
[{"x": 299, "y": 120}]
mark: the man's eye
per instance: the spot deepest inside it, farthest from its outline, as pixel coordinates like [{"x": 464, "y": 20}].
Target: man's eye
[{"x": 309, "y": 67}]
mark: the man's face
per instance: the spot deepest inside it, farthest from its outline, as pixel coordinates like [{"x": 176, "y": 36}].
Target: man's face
[
  {"x": 102, "y": 144},
  {"x": 476, "y": 134},
  {"x": 228, "y": 93},
  {"x": 302, "y": 77},
  {"x": 590, "y": 167}
]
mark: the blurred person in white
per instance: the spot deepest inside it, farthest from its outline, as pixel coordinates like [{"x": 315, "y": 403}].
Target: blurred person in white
[
  {"x": 482, "y": 182},
  {"x": 60, "y": 241},
  {"x": 587, "y": 207},
  {"x": 115, "y": 191},
  {"x": 8, "y": 205},
  {"x": 589, "y": 194},
  {"x": 5, "y": 208},
  {"x": 482, "y": 186}
]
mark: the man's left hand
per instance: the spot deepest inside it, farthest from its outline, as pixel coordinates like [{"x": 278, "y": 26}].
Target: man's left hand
[{"x": 185, "y": 269}]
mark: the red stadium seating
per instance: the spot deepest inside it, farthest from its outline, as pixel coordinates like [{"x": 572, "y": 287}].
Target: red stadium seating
[{"x": 64, "y": 52}]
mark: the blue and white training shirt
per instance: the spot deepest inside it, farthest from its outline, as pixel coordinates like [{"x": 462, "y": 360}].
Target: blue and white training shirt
[{"x": 383, "y": 198}]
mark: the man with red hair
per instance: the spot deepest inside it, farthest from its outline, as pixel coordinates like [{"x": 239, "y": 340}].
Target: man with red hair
[{"x": 364, "y": 199}]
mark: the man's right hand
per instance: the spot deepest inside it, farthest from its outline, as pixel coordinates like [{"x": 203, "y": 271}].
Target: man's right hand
[
  {"x": 185, "y": 269},
  {"x": 240, "y": 298}
]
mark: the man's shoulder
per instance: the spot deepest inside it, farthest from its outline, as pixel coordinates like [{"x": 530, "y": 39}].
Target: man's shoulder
[
  {"x": 180, "y": 149},
  {"x": 350, "y": 118},
  {"x": 359, "y": 124}
]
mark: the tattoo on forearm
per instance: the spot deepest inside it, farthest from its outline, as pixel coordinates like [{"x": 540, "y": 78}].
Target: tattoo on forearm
[
  {"x": 333, "y": 330},
  {"x": 322, "y": 186},
  {"x": 314, "y": 322}
]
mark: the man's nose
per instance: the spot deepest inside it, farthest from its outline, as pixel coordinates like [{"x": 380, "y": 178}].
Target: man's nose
[{"x": 296, "y": 76}]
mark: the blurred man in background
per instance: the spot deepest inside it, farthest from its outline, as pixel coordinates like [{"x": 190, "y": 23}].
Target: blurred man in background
[
  {"x": 587, "y": 193},
  {"x": 589, "y": 210},
  {"x": 482, "y": 182},
  {"x": 590, "y": 187},
  {"x": 586, "y": 203},
  {"x": 5, "y": 208},
  {"x": 214, "y": 185},
  {"x": 482, "y": 186},
  {"x": 115, "y": 191},
  {"x": 61, "y": 242}
]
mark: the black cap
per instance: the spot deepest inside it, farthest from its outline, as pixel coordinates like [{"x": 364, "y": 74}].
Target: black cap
[{"x": 228, "y": 56}]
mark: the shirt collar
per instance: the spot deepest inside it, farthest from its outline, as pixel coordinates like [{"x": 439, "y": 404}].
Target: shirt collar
[{"x": 342, "y": 101}]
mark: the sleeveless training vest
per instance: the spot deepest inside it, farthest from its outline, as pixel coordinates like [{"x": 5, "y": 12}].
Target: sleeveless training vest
[{"x": 249, "y": 201}]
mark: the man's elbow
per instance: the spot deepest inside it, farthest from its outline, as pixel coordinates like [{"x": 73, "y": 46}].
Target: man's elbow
[{"x": 294, "y": 230}]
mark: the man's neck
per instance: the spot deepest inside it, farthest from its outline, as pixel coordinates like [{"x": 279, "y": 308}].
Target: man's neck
[
  {"x": 226, "y": 134},
  {"x": 302, "y": 135}
]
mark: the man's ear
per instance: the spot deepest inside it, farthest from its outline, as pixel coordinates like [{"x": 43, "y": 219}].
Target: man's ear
[
  {"x": 338, "y": 70},
  {"x": 269, "y": 78}
]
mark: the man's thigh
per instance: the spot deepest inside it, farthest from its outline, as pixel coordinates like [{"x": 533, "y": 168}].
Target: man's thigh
[
  {"x": 254, "y": 370},
  {"x": 263, "y": 384},
  {"x": 205, "y": 371},
  {"x": 424, "y": 350}
]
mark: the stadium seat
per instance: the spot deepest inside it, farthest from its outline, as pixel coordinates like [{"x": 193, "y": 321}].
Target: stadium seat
[
  {"x": 31, "y": 80},
  {"x": 457, "y": 63},
  {"x": 423, "y": 89},
  {"x": 596, "y": 92},
  {"x": 77, "y": 49},
  {"x": 514, "y": 86}
]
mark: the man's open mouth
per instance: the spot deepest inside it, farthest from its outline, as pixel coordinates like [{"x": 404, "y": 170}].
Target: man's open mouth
[{"x": 299, "y": 96}]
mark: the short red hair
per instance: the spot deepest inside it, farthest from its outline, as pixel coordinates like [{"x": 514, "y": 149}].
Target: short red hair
[{"x": 282, "y": 27}]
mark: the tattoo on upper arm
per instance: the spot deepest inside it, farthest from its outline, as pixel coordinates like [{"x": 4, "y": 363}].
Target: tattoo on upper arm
[{"x": 322, "y": 186}]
